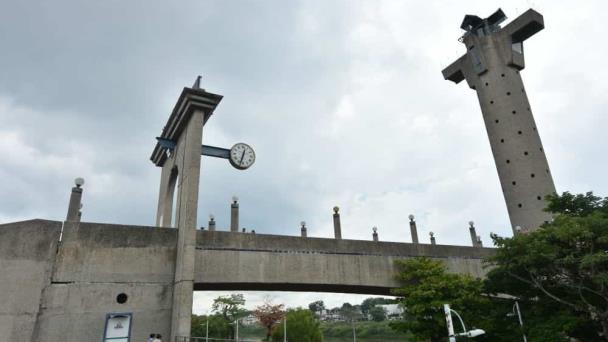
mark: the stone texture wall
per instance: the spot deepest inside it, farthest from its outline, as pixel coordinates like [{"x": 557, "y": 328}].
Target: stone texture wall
[{"x": 27, "y": 252}]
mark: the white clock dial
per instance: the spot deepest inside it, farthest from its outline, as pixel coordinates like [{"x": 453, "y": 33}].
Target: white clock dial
[{"x": 242, "y": 156}]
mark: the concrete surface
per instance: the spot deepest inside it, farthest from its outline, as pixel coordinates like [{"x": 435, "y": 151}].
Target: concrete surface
[{"x": 51, "y": 291}]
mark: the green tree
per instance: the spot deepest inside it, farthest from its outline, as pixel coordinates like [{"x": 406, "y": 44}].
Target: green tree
[
  {"x": 560, "y": 270},
  {"x": 427, "y": 286},
  {"x": 316, "y": 306},
  {"x": 370, "y": 302},
  {"x": 377, "y": 314},
  {"x": 302, "y": 326},
  {"x": 229, "y": 309},
  {"x": 218, "y": 326}
]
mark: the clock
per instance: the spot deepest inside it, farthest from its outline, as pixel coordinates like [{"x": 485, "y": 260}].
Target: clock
[{"x": 242, "y": 156}]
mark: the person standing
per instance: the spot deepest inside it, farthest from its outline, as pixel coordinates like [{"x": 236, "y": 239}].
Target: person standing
[
  {"x": 151, "y": 338},
  {"x": 157, "y": 338}
]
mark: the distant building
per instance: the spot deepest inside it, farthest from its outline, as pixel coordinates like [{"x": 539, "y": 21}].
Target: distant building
[
  {"x": 393, "y": 311},
  {"x": 249, "y": 320}
]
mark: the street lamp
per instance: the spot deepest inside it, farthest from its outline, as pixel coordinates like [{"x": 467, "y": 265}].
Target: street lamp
[
  {"x": 521, "y": 322},
  {"x": 448, "y": 319}
]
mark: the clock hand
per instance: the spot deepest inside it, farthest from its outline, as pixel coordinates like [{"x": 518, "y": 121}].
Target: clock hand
[{"x": 242, "y": 156}]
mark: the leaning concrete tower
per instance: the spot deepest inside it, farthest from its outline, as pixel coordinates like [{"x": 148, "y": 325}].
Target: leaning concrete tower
[{"x": 491, "y": 67}]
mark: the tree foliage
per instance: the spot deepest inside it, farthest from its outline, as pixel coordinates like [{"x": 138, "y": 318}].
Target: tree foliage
[
  {"x": 377, "y": 314},
  {"x": 229, "y": 308},
  {"x": 302, "y": 326},
  {"x": 269, "y": 316},
  {"x": 558, "y": 274},
  {"x": 563, "y": 266},
  {"x": 218, "y": 326},
  {"x": 371, "y": 302},
  {"x": 426, "y": 287},
  {"x": 316, "y": 306}
]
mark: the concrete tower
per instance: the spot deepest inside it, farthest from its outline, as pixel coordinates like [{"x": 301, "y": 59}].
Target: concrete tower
[{"x": 491, "y": 66}]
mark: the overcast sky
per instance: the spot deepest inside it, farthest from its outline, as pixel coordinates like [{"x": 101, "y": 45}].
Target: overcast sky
[{"x": 343, "y": 101}]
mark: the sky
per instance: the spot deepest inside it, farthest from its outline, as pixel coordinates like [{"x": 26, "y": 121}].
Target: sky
[{"x": 343, "y": 102}]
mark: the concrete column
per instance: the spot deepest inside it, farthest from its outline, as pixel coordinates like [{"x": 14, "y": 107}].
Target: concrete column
[
  {"x": 211, "y": 223},
  {"x": 75, "y": 203},
  {"x": 234, "y": 214},
  {"x": 303, "y": 229},
  {"x": 337, "y": 225},
  {"x": 375, "y": 234},
  {"x": 433, "y": 242},
  {"x": 479, "y": 242},
  {"x": 491, "y": 67},
  {"x": 473, "y": 233},
  {"x": 413, "y": 229},
  {"x": 189, "y": 157}
]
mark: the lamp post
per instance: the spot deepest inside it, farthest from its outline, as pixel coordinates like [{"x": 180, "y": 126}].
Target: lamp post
[
  {"x": 207, "y": 330},
  {"x": 448, "y": 319},
  {"x": 285, "y": 328},
  {"x": 517, "y": 312}
]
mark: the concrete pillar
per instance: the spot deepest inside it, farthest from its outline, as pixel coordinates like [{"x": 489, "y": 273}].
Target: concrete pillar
[
  {"x": 75, "y": 203},
  {"x": 189, "y": 157},
  {"x": 433, "y": 242},
  {"x": 491, "y": 66},
  {"x": 181, "y": 166},
  {"x": 337, "y": 225},
  {"x": 244, "y": 231},
  {"x": 413, "y": 229},
  {"x": 303, "y": 229},
  {"x": 473, "y": 233},
  {"x": 479, "y": 242},
  {"x": 234, "y": 214},
  {"x": 211, "y": 223},
  {"x": 375, "y": 234}
]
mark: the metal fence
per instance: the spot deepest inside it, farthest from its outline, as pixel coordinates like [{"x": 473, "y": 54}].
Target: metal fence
[{"x": 207, "y": 339}]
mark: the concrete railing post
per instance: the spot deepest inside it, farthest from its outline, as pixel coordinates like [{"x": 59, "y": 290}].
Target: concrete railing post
[
  {"x": 234, "y": 214},
  {"x": 479, "y": 242},
  {"x": 375, "y": 234},
  {"x": 75, "y": 203},
  {"x": 433, "y": 242},
  {"x": 413, "y": 229},
  {"x": 337, "y": 225},
  {"x": 303, "y": 229},
  {"x": 211, "y": 223}
]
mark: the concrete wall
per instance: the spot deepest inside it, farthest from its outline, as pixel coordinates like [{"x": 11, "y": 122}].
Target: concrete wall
[
  {"x": 228, "y": 261},
  {"x": 27, "y": 251},
  {"x": 95, "y": 263}
]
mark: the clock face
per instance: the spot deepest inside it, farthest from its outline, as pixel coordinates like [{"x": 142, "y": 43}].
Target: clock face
[{"x": 242, "y": 156}]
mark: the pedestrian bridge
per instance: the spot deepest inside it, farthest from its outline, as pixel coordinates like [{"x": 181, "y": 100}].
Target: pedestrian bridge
[{"x": 56, "y": 290}]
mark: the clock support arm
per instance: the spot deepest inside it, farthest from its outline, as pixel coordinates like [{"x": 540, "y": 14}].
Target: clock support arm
[{"x": 206, "y": 150}]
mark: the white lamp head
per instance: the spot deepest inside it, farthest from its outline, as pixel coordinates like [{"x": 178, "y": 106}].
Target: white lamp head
[
  {"x": 303, "y": 224},
  {"x": 211, "y": 217},
  {"x": 471, "y": 223},
  {"x": 411, "y": 217},
  {"x": 79, "y": 182},
  {"x": 375, "y": 229},
  {"x": 235, "y": 199},
  {"x": 475, "y": 333}
]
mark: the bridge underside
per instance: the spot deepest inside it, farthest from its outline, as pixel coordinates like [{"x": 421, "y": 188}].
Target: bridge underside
[{"x": 335, "y": 288}]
